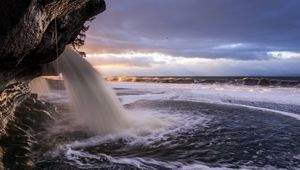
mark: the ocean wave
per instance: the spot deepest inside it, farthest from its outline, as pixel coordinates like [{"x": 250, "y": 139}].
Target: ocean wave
[
  {"x": 249, "y": 81},
  {"x": 250, "y": 97}
]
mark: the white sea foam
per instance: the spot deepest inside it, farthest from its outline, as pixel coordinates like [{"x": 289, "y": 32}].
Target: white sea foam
[
  {"x": 79, "y": 158},
  {"x": 155, "y": 135},
  {"x": 296, "y": 116},
  {"x": 146, "y": 134},
  {"x": 214, "y": 92},
  {"x": 217, "y": 94},
  {"x": 149, "y": 127},
  {"x": 142, "y": 162}
]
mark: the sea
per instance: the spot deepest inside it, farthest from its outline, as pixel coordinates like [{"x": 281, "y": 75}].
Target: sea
[{"x": 183, "y": 123}]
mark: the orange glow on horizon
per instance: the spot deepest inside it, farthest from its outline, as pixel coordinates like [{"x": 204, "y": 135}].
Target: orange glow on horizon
[{"x": 111, "y": 66}]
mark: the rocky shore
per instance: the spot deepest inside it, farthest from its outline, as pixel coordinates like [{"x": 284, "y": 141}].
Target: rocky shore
[{"x": 30, "y": 120}]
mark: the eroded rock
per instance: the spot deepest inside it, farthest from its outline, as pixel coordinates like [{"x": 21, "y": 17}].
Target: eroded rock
[
  {"x": 32, "y": 33},
  {"x": 28, "y": 33}
]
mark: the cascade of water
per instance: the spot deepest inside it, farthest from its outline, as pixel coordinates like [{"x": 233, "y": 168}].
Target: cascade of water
[
  {"x": 93, "y": 101},
  {"x": 39, "y": 85}
]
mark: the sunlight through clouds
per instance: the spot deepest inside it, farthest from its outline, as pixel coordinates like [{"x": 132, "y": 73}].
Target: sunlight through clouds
[
  {"x": 142, "y": 59},
  {"x": 284, "y": 54},
  {"x": 236, "y": 39},
  {"x": 143, "y": 64}
]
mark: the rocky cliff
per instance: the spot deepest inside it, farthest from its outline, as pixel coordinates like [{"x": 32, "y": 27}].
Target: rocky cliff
[
  {"x": 28, "y": 32},
  {"x": 33, "y": 33}
]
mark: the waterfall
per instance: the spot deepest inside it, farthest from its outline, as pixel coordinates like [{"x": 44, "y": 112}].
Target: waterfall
[
  {"x": 94, "y": 102},
  {"x": 39, "y": 85}
]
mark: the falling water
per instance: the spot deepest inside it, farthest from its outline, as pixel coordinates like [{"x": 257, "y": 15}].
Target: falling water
[
  {"x": 94, "y": 102},
  {"x": 39, "y": 85}
]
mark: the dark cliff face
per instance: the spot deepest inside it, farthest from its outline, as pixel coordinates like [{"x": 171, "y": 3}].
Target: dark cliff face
[
  {"x": 27, "y": 33},
  {"x": 28, "y": 39}
]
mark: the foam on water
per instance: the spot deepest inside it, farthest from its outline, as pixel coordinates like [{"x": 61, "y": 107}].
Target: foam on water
[
  {"x": 154, "y": 127},
  {"x": 296, "y": 116},
  {"x": 75, "y": 154},
  {"x": 79, "y": 158},
  {"x": 216, "y": 94},
  {"x": 145, "y": 133}
]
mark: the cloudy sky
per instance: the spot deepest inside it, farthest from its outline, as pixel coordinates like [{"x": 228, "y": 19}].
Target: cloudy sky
[{"x": 196, "y": 37}]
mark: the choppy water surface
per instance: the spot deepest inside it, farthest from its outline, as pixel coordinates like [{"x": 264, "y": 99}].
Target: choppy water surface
[{"x": 184, "y": 127}]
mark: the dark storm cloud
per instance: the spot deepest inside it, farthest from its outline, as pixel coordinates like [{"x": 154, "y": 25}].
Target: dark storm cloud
[{"x": 239, "y": 29}]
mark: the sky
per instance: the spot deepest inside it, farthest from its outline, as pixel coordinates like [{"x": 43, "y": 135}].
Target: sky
[{"x": 196, "y": 38}]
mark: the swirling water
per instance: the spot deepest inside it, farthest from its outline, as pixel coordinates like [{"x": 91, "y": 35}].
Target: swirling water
[{"x": 184, "y": 127}]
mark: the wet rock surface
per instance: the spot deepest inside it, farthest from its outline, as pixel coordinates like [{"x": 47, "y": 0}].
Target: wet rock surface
[
  {"x": 23, "y": 132},
  {"x": 10, "y": 98},
  {"x": 33, "y": 33}
]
